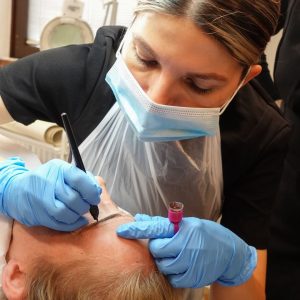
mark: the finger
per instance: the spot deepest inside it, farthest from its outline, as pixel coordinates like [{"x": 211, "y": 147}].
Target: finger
[
  {"x": 13, "y": 160},
  {"x": 146, "y": 230},
  {"x": 177, "y": 282},
  {"x": 143, "y": 217},
  {"x": 61, "y": 213},
  {"x": 172, "y": 266},
  {"x": 96, "y": 185},
  {"x": 71, "y": 198},
  {"x": 165, "y": 247},
  {"x": 187, "y": 280},
  {"x": 84, "y": 183},
  {"x": 101, "y": 182},
  {"x": 105, "y": 196}
]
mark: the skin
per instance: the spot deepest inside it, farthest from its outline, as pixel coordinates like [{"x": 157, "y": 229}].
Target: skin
[
  {"x": 196, "y": 71},
  {"x": 97, "y": 240},
  {"x": 5, "y": 117}
]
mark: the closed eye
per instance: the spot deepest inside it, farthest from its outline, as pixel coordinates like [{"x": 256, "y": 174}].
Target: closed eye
[
  {"x": 197, "y": 88},
  {"x": 145, "y": 62}
]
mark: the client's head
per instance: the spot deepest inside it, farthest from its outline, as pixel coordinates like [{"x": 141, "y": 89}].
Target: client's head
[{"x": 91, "y": 263}]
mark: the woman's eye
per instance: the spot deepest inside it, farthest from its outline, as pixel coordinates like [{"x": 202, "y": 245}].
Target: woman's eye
[
  {"x": 197, "y": 88},
  {"x": 145, "y": 62}
]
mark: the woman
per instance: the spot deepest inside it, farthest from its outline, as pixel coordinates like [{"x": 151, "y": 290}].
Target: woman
[{"x": 178, "y": 68}]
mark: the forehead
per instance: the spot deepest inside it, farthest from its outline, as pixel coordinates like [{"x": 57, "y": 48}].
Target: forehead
[
  {"x": 96, "y": 240},
  {"x": 178, "y": 39},
  {"x": 100, "y": 241},
  {"x": 101, "y": 234},
  {"x": 106, "y": 221},
  {"x": 110, "y": 217},
  {"x": 88, "y": 238},
  {"x": 107, "y": 208}
]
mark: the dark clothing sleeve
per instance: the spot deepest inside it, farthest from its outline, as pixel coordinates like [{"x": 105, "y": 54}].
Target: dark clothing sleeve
[
  {"x": 46, "y": 84},
  {"x": 283, "y": 10},
  {"x": 283, "y": 270},
  {"x": 251, "y": 187},
  {"x": 286, "y": 73},
  {"x": 264, "y": 78},
  {"x": 66, "y": 79},
  {"x": 252, "y": 163}
]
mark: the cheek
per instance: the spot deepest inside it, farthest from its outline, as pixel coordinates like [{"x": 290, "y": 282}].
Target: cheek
[
  {"x": 141, "y": 74},
  {"x": 143, "y": 79}
]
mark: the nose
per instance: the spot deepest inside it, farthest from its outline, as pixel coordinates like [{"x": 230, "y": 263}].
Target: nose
[{"x": 162, "y": 89}]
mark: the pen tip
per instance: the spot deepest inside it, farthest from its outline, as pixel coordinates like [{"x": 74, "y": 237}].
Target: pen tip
[{"x": 94, "y": 210}]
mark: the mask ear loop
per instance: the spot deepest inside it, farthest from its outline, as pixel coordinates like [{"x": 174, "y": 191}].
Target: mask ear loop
[{"x": 224, "y": 106}]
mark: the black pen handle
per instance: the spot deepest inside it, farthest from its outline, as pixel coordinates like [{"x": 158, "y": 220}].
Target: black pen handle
[{"x": 78, "y": 161}]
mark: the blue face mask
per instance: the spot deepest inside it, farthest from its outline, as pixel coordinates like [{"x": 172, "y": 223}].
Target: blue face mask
[{"x": 156, "y": 122}]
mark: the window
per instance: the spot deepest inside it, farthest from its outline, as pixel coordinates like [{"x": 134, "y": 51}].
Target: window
[
  {"x": 30, "y": 16},
  {"x": 18, "y": 44}
]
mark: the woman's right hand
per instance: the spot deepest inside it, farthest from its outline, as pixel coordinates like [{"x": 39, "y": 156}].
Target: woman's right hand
[{"x": 55, "y": 195}]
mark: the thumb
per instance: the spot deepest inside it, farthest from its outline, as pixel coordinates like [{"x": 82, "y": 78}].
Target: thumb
[
  {"x": 159, "y": 228},
  {"x": 143, "y": 217}
]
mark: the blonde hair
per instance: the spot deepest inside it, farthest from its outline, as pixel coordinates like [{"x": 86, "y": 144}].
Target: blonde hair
[
  {"x": 86, "y": 280},
  {"x": 243, "y": 27}
]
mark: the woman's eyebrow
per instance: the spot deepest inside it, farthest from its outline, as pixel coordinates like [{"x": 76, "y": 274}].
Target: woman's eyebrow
[
  {"x": 208, "y": 76},
  {"x": 109, "y": 217},
  {"x": 143, "y": 44},
  {"x": 149, "y": 51}
]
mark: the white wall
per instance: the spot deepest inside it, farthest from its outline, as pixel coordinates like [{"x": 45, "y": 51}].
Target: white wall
[
  {"x": 5, "y": 20},
  {"x": 271, "y": 50}
]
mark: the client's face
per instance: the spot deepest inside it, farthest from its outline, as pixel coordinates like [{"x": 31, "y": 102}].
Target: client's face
[{"x": 96, "y": 240}]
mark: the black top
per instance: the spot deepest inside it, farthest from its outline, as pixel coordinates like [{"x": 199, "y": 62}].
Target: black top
[
  {"x": 264, "y": 78},
  {"x": 72, "y": 79},
  {"x": 284, "y": 249}
]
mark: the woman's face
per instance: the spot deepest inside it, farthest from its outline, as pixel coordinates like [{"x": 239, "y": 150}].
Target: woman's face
[{"x": 177, "y": 64}]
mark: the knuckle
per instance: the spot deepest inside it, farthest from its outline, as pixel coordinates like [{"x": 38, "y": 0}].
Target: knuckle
[
  {"x": 101, "y": 181},
  {"x": 195, "y": 225}
]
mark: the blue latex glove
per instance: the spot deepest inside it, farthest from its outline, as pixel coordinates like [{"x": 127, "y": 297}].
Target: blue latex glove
[
  {"x": 55, "y": 195},
  {"x": 200, "y": 253}
]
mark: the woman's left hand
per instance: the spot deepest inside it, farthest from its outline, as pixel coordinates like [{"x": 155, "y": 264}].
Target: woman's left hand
[{"x": 200, "y": 253}]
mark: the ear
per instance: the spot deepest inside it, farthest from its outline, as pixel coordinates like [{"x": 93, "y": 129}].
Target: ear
[
  {"x": 253, "y": 72},
  {"x": 13, "y": 281}
]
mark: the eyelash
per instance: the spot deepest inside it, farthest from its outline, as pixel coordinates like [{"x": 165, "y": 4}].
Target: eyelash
[
  {"x": 148, "y": 63},
  {"x": 153, "y": 63},
  {"x": 196, "y": 88}
]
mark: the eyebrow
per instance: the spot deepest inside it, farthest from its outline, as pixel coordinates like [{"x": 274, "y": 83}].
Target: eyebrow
[
  {"x": 144, "y": 45},
  {"x": 112, "y": 216},
  {"x": 208, "y": 76},
  {"x": 109, "y": 217},
  {"x": 205, "y": 76}
]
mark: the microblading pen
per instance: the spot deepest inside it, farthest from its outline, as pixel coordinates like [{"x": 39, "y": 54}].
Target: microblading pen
[{"x": 78, "y": 161}]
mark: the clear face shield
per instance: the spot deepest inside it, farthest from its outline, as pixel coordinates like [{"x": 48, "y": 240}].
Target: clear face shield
[
  {"x": 156, "y": 122},
  {"x": 150, "y": 154}
]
